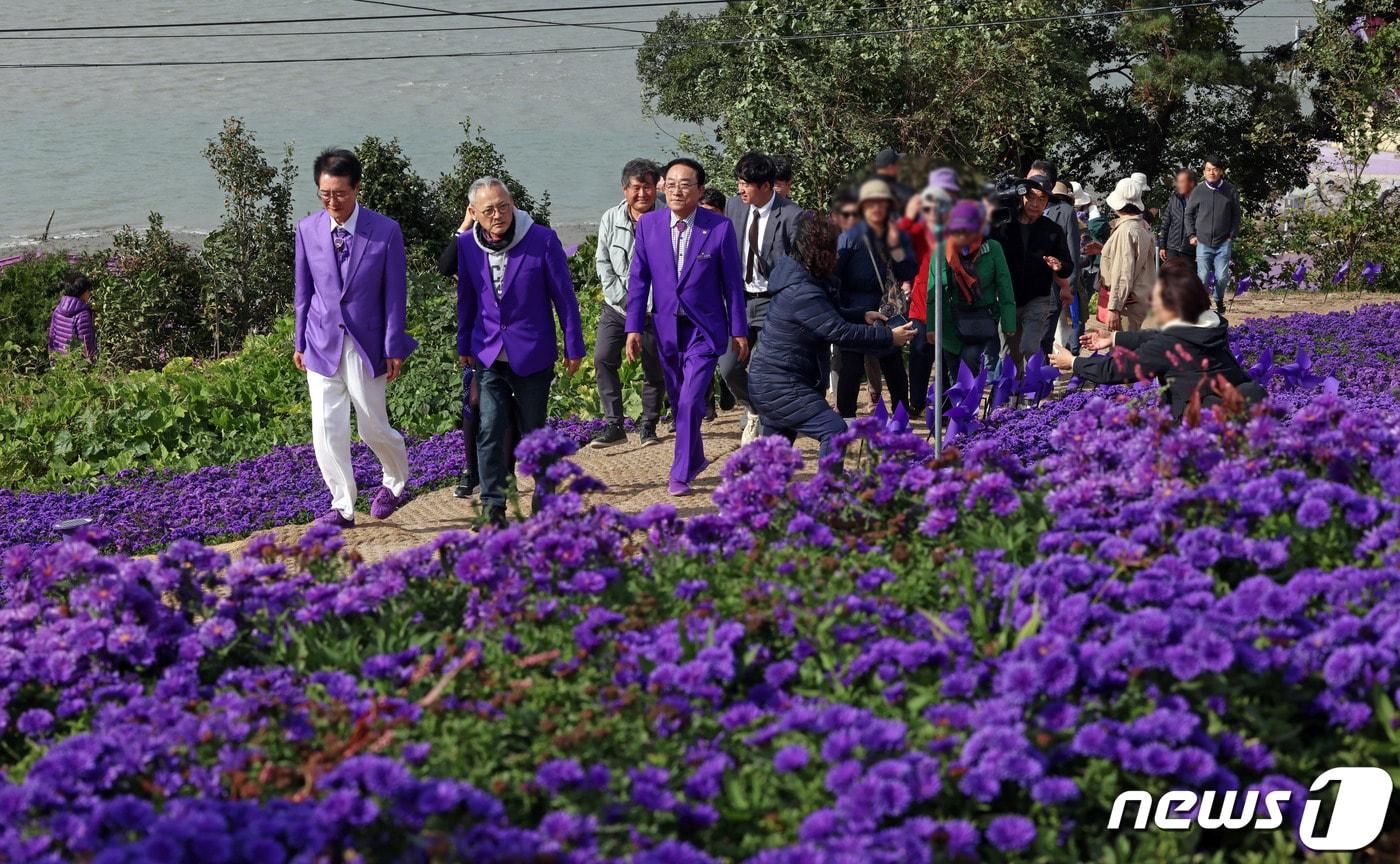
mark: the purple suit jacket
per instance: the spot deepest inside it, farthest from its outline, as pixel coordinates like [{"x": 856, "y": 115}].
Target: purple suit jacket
[
  {"x": 709, "y": 290},
  {"x": 536, "y": 286},
  {"x": 369, "y": 309}
]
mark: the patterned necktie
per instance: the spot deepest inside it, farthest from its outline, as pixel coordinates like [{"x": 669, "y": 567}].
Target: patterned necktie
[
  {"x": 340, "y": 239},
  {"x": 680, "y": 245},
  {"x": 753, "y": 247}
]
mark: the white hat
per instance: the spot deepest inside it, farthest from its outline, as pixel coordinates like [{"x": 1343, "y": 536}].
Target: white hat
[
  {"x": 1141, "y": 179},
  {"x": 1126, "y": 192},
  {"x": 1081, "y": 198}
]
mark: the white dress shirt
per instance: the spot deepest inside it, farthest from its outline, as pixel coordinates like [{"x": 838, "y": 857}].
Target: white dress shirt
[
  {"x": 759, "y": 285},
  {"x": 349, "y": 225}
]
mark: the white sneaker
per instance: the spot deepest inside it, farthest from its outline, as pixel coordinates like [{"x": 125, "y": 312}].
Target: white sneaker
[{"x": 751, "y": 431}]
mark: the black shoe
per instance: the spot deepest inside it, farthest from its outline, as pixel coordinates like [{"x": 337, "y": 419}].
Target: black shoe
[
  {"x": 710, "y": 414},
  {"x": 649, "y": 435},
  {"x": 611, "y": 434},
  {"x": 494, "y": 516},
  {"x": 726, "y": 399},
  {"x": 1220, "y": 307},
  {"x": 466, "y": 485}
]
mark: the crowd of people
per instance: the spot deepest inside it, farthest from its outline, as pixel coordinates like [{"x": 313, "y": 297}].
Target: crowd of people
[{"x": 784, "y": 311}]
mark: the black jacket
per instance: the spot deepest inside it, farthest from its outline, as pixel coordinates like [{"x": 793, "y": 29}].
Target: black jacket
[
  {"x": 1030, "y": 277},
  {"x": 788, "y": 370},
  {"x": 1171, "y": 231},
  {"x": 1213, "y": 215},
  {"x": 1186, "y": 356}
]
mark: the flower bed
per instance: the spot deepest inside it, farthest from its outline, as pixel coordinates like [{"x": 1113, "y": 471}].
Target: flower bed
[
  {"x": 146, "y": 510},
  {"x": 912, "y": 661}
]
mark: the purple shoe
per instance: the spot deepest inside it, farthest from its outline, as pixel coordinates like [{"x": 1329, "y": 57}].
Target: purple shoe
[
  {"x": 678, "y": 489},
  {"x": 336, "y": 518},
  {"x": 385, "y": 503}
]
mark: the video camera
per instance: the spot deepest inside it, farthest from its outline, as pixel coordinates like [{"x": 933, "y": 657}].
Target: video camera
[{"x": 1005, "y": 193}]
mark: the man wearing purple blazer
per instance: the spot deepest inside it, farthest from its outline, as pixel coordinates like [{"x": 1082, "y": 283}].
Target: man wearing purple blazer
[
  {"x": 512, "y": 280},
  {"x": 351, "y": 294},
  {"x": 686, "y": 261}
]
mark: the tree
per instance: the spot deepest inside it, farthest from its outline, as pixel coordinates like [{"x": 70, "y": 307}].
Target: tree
[
  {"x": 477, "y": 157},
  {"x": 150, "y": 300},
  {"x": 391, "y": 187},
  {"x": 1171, "y": 86},
  {"x": 250, "y": 256},
  {"x": 1104, "y": 95},
  {"x": 972, "y": 96}
]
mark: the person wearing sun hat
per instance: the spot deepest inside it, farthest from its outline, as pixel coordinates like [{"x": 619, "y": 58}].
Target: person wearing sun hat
[
  {"x": 1128, "y": 266},
  {"x": 918, "y": 221},
  {"x": 875, "y": 264}
]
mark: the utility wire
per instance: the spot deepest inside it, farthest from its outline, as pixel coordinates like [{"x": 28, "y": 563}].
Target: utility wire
[
  {"x": 795, "y": 37},
  {"x": 502, "y": 17},
  {"x": 322, "y": 20}
]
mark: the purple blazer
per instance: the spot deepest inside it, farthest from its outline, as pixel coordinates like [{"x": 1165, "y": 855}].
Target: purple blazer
[
  {"x": 709, "y": 290},
  {"x": 535, "y": 287},
  {"x": 369, "y": 310}
]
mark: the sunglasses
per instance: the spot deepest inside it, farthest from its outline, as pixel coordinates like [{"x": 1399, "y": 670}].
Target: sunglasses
[{"x": 849, "y": 214}]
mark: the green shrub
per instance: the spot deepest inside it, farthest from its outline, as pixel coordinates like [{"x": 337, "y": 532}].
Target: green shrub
[{"x": 149, "y": 304}]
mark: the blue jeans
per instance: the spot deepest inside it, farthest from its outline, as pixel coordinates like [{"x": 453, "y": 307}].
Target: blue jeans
[
  {"x": 503, "y": 392},
  {"x": 1217, "y": 256},
  {"x": 824, "y": 427}
]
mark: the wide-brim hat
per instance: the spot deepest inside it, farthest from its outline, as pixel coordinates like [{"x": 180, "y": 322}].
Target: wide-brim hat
[
  {"x": 1062, "y": 190},
  {"x": 966, "y": 215},
  {"x": 1081, "y": 197},
  {"x": 872, "y": 190},
  {"x": 1126, "y": 192}
]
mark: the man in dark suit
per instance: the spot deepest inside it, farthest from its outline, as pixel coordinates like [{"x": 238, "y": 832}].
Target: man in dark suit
[
  {"x": 685, "y": 261},
  {"x": 766, "y": 225}
]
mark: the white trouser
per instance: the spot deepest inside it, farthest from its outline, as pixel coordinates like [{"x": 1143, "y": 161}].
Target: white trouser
[{"x": 331, "y": 399}]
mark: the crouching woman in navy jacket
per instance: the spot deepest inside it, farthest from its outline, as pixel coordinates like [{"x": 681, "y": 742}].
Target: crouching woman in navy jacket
[{"x": 789, "y": 369}]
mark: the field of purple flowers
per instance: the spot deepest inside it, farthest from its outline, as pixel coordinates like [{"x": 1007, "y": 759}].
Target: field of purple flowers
[{"x": 911, "y": 660}]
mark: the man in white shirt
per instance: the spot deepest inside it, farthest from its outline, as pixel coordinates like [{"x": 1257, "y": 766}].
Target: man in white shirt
[{"x": 766, "y": 226}]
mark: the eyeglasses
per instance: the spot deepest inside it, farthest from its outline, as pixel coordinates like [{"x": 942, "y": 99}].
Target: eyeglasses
[
  {"x": 493, "y": 211},
  {"x": 849, "y": 214},
  {"x": 682, "y": 186},
  {"x": 333, "y": 196}
]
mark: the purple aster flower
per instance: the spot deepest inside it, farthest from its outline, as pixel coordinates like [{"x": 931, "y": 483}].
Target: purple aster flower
[
  {"x": 791, "y": 758},
  {"x": 1011, "y": 833}
]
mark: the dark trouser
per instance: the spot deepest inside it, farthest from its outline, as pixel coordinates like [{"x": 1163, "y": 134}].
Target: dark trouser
[
  {"x": 734, "y": 374},
  {"x": 824, "y": 427},
  {"x": 852, "y": 372},
  {"x": 503, "y": 392},
  {"x": 920, "y": 369},
  {"x": 607, "y": 360},
  {"x": 976, "y": 356},
  {"x": 1181, "y": 255},
  {"x": 471, "y": 428}
]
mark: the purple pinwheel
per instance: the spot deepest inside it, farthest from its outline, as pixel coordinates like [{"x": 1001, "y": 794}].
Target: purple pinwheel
[
  {"x": 1371, "y": 272},
  {"x": 965, "y": 398},
  {"x": 1300, "y": 274},
  {"x": 1341, "y": 272},
  {"x": 1262, "y": 371},
  {"x": 881, "y": 413},
  {"x": 1242, "y": 285},
  {"x": 900, "y": 421},
  {"x": 1005, "y": 385},
  {"x": 1299, "y": 373},
  {"x": 1331, "y": 385},
  {"x": 1210, "y": 279},
  {"x": 1040, "y": 378}
]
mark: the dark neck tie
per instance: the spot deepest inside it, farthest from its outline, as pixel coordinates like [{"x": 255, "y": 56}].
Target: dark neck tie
[
  {"x": 340, "y": 239},
  {"x": 753, "y": 246}
]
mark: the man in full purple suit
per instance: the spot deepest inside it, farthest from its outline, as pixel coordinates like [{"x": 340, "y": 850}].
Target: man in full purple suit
[
  {"x": 686, "y": 261},
  {"x": 351, "y": 294},
  {"x": 512, "y": 280}
]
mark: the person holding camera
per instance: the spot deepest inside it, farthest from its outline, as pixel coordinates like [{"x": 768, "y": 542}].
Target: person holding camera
[
  {"x": 979, "y": 303},
  {"x": 1036, "y": 254},
  {"x": 789, "y": 368},
  {"x": 875, "y": 264}
]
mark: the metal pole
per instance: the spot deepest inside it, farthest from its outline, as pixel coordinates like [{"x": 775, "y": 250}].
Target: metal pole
[{"x": 936, "y": 262}]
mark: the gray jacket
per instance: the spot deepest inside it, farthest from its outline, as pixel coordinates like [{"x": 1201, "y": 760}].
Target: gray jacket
[
  {"x": 1213, "y": 215},
  {"x": 616, "y": 234},
  {"x": 778, "y": 243},
  {"x": 1062, "y": 214},
  {"x": 1171, "y": 230}
]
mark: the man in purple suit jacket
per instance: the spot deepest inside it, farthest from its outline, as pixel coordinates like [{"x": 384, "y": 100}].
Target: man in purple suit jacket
[
  {"x": 512, "y": 279},
  {"x": 686, "y": 261},
  {"x": 351, "y": 294}
]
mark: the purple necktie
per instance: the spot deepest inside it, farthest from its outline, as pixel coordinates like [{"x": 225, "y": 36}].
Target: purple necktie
[{"x": 340, "y": 239}]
